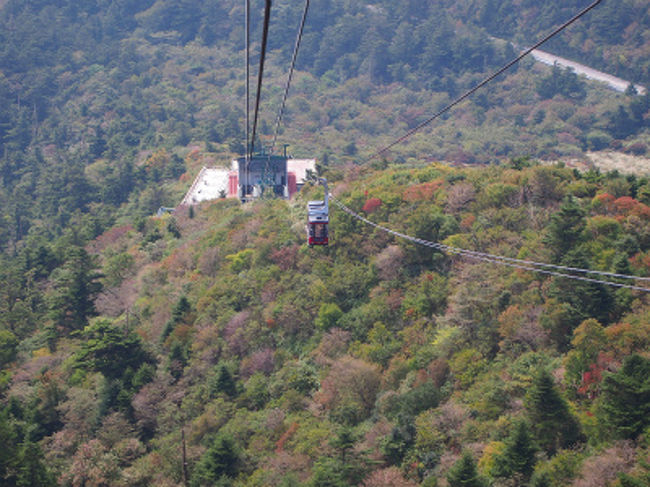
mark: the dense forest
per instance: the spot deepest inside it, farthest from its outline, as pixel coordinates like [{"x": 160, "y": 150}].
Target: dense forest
[{"x": 128, "y": 341}]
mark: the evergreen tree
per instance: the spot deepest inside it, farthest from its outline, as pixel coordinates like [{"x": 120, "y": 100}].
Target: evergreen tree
[
  {"x": 8, "y": 344},
  {"x": 110, "y": 350},
  {"x": 75, "y": 286},
  {"x": 561, "y": 82},
  {"x": 224, "y": 382},
  {"x": 566, "y": 228},
  {"x": 218, "y": 464},
  {"x": 549, "y": 414},
  {"x": 626, "y": 397},
  {"x": 177, "y": 359},
  {"x": 621, "y": 124},
  {"x": 584, "y": 300},
  {"x": 31, "y": 471},
  {"x": 541, "y": 479},
  {"x": 518, "y": 458},
  {"x": 328, "y": 472},
  {"x": 8, "y": 451},
  {"x": 347, "y": 467},
  {"x": 464, "y": 473}
]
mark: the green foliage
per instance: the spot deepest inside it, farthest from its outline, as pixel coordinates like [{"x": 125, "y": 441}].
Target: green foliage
[
  {"x": 31, "y": 470},
  {"x": 466, "y": 366},
  {"x": 563, "y": 82},
  {"x": 110, "y": 350},
  {"x": 589, "y": 340},
  {"x": 427, "y": 223},
  {"x": 180, "y": 314},
  {"x": 518, "y": 457},
  {"x": 381, "y": 345},
  {"x": 74, "y": 287},
  {"x": 427, "y": 296},
  {"x": 598, "y": 140},
  {"x": 241, "y": 260},
  {"x": 464, "y": 473},
  {"x": 347, "y": 467},
  {"x": 413, "y": 402},
  {"x": 117, "y": 268},
  {"x": 21, "y": 460},
  {"x": 328, "y": 316},
  {"x": 626, "y": 398},
  {"x": 565, "y": 229},
  {"x": 629, "y": 481},
  {"x": 585, "y": 299},
  {"x": 8, "y": 344},
  {"x": 298, "y": 376},
  {"x": 553, "y": 424},
  {"x": 559, "y": 471},
  {"x": 218, "y": 464},
  {"x": 256, "y": 392},
  {"x": 106, "y": 104},
  {"x": 396, "y": 444}
]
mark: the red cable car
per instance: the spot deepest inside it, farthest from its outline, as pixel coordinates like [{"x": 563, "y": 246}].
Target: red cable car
[{"x": 318, "y": 219}]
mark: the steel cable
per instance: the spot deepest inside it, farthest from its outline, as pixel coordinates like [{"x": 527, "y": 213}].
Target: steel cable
[
  {"x": 481, "y": 84},
  {"x": 496, "y": 259},
  {"x": 293, "y": 65},
  {"x": 260, "y": 74}
]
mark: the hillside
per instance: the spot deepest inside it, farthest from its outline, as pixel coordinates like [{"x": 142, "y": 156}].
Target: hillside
[
  {"x": 128, "y": 340},
  {"x": 371, "y": 361},
  {"x": 105, "y": 100}
]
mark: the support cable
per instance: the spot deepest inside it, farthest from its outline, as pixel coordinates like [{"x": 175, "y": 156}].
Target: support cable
[
  {"x": 248, "y": 109},
  {"x": 481, "y": 84},
  {"x": 260, "y": 74},
  {"x": 293, "y": 64},
  {"x": 496, "y": 259}
]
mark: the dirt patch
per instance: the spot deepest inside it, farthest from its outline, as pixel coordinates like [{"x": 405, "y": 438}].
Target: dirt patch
[{"x": 623, "y": 163}]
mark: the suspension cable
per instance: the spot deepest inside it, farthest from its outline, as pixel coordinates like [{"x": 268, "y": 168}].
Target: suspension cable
[
  {"x": 481, "y": 84},
  {"x": 265, "y": 37},
  {"x": 496, "y": 259},
  {"x": 248, "y": 109},
  {"x": 293, "y": 64}
]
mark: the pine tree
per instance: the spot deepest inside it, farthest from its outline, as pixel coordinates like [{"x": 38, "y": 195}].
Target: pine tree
[
  {"x": 464, "y": 473},
  {"x": 75, "y": 286},
  {"x": 31, "y": 470},
  {"x": 566, "y": 228},
  {"x": 8, "y": 450},
  {"x": 219, "y": 463},
  {"x": 111, "y": 351},
  {"x": 224, "y": 382},
  {"x": 518, "y": 458},
  {"x": 626, "y": 397},
  {"x": 549, "y": 414}
]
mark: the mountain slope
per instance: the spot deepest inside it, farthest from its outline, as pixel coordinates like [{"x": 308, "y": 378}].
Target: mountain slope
[{"x": 373, "y": 358}]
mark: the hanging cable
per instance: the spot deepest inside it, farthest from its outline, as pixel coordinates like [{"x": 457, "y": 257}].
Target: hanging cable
[
  {"x": 247, "y": 16},
  {"x": 481, "y": 84},
  {"x": 260, "y": 74},
  {"x": 293, "y": 64},
  {"x": 496, "y": 259}
]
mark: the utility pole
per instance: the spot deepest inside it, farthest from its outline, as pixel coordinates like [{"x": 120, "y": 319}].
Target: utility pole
[{"x": 185, "y": 476}]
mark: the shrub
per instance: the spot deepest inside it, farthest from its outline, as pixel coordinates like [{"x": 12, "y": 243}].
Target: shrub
[{"x": 328, "y": 316}]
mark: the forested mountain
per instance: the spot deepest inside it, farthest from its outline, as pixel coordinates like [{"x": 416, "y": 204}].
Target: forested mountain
[
  {"x": 374, "y": 361},
  {"x": 90, "y": 90}
]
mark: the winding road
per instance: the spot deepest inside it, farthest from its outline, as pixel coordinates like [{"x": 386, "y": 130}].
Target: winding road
[{"x": 616, "y": 83}]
